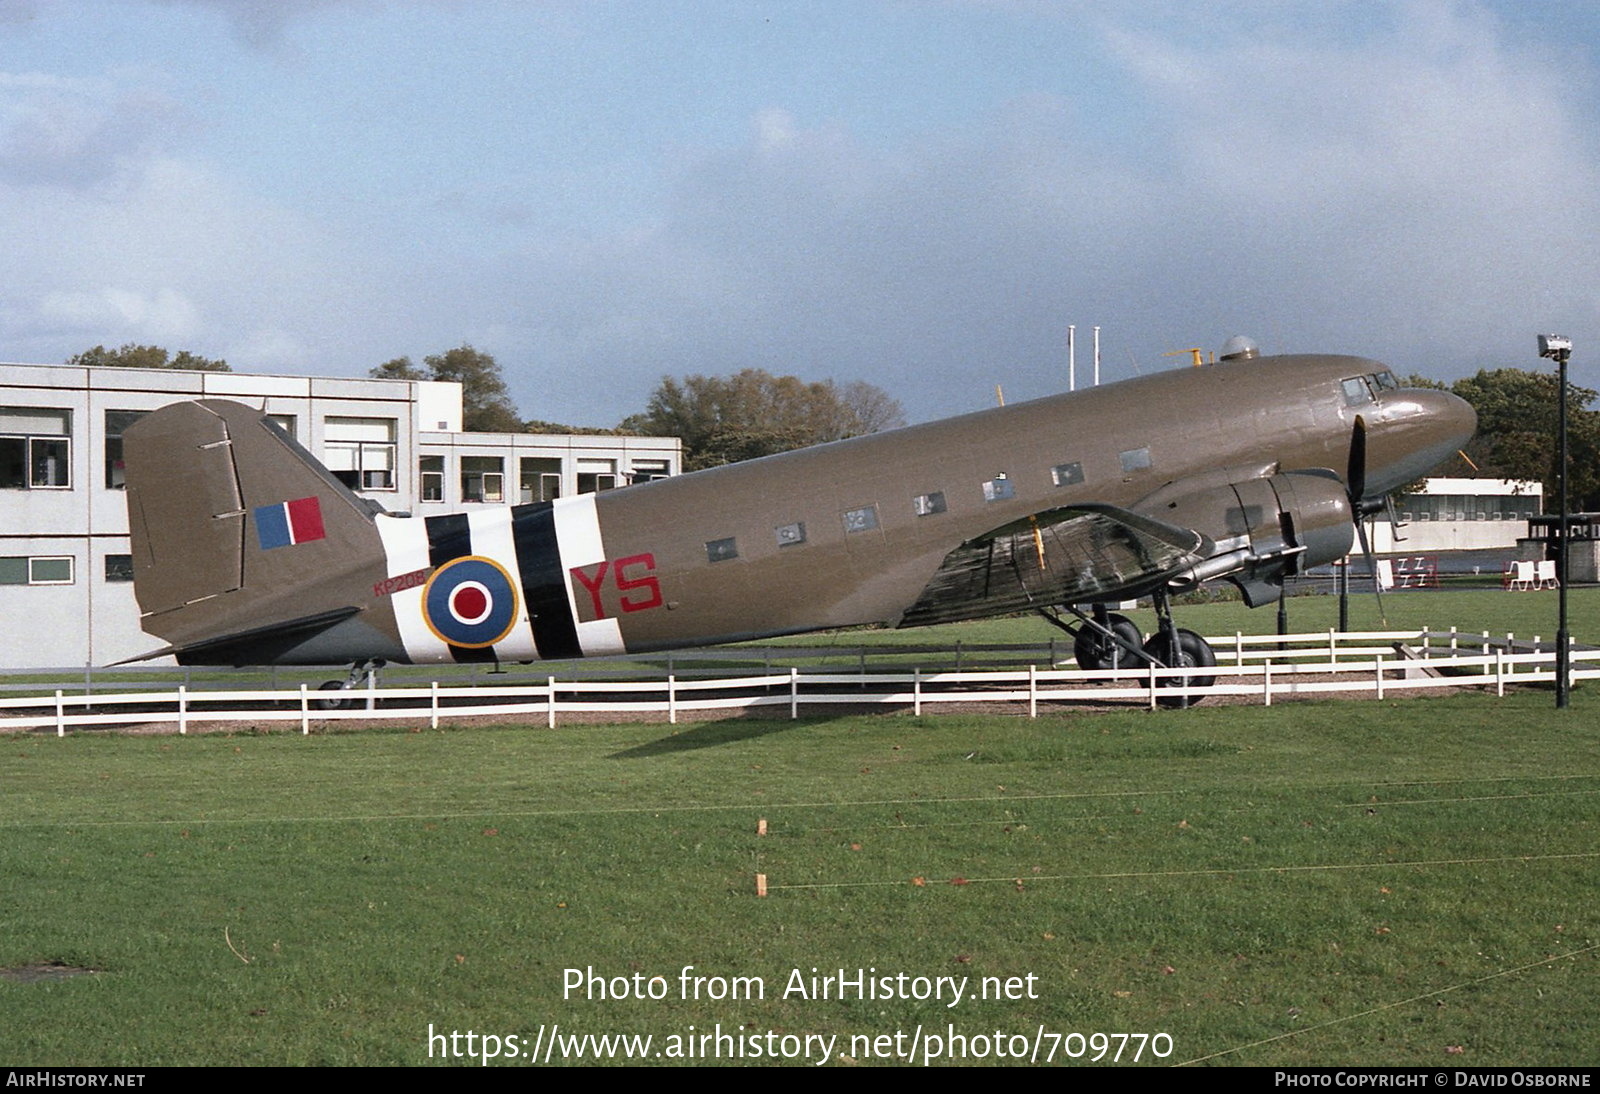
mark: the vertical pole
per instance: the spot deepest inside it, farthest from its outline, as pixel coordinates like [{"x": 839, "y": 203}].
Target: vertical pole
[
  {"x": 1563, "y": 684},
  {"x": 305, "y": 712},
  {"x": 1072, "y": 358},
  {"x": 433, "y": 704}
]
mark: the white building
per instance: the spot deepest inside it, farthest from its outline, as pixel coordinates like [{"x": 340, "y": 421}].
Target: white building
[
  {"x": 1454, "y": 514},
  {"x": 66, "y": 593}
]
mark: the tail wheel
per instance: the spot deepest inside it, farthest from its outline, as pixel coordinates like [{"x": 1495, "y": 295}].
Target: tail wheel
[
  {"x": 1095, "y": 652},
  {"x": 333, "y": 702},
  {"x": 1194, "y": 652}
]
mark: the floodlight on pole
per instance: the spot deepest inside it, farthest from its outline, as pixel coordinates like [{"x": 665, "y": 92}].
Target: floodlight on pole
[{"x": 1559, "y": 349}]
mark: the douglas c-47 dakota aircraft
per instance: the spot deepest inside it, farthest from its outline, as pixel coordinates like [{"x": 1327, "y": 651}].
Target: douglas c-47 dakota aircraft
[{"x": 247, "y": 551}]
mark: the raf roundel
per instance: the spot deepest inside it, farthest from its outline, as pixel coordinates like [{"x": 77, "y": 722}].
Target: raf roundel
[{"x": 470, "y": 602}]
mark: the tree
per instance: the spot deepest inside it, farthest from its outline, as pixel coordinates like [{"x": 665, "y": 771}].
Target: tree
[
  {"x": 753, "y": 413},
  {"x": 485, "y": 401},
  {"x": 134, "y": 356},
  {"x": 1517, "y": 422}
]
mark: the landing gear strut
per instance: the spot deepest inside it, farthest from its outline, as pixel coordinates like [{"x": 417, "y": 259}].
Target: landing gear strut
[
  {"x": 1173, "y": 647},
  {"x": 1105, "y": 640},
  {"x": 356, "y": 678}
]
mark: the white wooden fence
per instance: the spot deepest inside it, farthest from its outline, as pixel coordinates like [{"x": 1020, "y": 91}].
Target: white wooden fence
[{"x": 1255, "y": 668}]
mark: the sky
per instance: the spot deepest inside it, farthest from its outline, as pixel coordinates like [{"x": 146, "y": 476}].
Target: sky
[{"x": 923, "y": 195}]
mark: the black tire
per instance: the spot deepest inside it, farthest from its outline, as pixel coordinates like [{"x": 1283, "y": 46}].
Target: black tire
[
  {"x": 1194, "y": 652},
  {"x": 333, "y": 702},
  {"x": 1094, "y": 651}
]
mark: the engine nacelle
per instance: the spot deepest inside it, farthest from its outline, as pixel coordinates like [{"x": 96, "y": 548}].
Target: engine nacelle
[{"x": 1264, "y": 528}]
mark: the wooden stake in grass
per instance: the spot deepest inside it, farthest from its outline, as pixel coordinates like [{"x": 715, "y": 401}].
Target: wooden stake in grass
[
  {"x": 761, "y": 826},
  {"x": 761, "y": 885}
]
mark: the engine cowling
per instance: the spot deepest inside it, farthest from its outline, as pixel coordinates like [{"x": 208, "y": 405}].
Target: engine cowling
[{"x": 1264, "y": 527}]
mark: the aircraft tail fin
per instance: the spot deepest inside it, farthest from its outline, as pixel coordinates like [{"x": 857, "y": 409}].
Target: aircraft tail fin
[{"x": 238, "y": 530}]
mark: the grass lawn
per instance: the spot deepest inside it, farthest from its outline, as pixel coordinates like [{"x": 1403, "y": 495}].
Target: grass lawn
[{"x": 1407, "y": 882}]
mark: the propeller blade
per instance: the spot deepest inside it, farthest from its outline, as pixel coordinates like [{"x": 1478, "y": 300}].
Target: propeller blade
[
  {"x": 1372, "y": 564},
  {"x": 1355, "y": 476}
]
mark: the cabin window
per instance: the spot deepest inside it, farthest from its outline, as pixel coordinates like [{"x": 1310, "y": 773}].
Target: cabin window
[
  {"x": 38, "y": 570},
  {"x": 483, "y": 479},
  {"x": 999, "y": 488},
  {"x": 1067, "y": 474},
  {"x": 431, "y": 468},
  {"x": 790, "y": 535},
  {"x": 864, "y": 519},
  {"x": 1135, "y": 459},
  {"x": 119, "y": 568},
  {"x": 721, "y": 550},
  {"x": 360, "y": 451},
  {"x": 926, "y": 505},
  {"x": 35, "y": 448},
  {"x": 1356, "y": 391},
  {"x": 116, "y": 422}
]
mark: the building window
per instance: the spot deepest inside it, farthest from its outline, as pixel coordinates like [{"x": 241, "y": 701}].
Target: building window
[
  {"x": 861, "y": 520},
  {"x": 119, "y": 568},
  {"x": 1067, "y": 474},
  {"x": 483, "y": 478},
  {"x": 35, "y": 448},
  {"x": 284, "y": 422},
  {"x": 999, "y": 488},
  {"x": 431, "y": 469},
  {"x": 649, "y": 470},
  {"x": 595, "y": 476},
  {"x": 38, "y": 570},
  {"x": 721, "y": 550},
  {"x": 926, "y": 505},
  {"x": 791, "y": 535},
  {"x": 540, "y": 479},
  {"x": 116, "y": 422},
  {"x": 360, "y": 452}
]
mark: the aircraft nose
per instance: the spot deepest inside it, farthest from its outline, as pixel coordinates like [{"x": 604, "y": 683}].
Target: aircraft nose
[{"x": 1428, "y": 428}]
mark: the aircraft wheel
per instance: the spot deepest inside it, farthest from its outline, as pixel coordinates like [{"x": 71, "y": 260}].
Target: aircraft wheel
[
  {"x": 1194, "y": 652},
  {"x": 1094, "y": 651},
  {"x": 333, "y": 702}
]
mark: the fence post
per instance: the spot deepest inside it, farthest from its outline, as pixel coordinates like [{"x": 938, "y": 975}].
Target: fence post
[
  {"x": 1152, "y": 685},
  {"x": 61, "y": 724},
  {"x": 1266, "y": 684},
  {"x": 305, "y": 712},
  {"x": 1486, "y": 652},
  {"x": 433, "y": 704},
  {"x": 794, "y": 692},
  {"x": 183, "y": 709},
  {"x": 1379, "y": 663},
  {"x": 916, "y": 691},
  {"x": 1499, "y": 673},
  {"x": 1238, "y": 648},
  {"x": 1033, "y": 691},
  {"x": 550, "y": 701},
  {"x": 1333, "y": 648},
  {"x": 672, "y": 700}
]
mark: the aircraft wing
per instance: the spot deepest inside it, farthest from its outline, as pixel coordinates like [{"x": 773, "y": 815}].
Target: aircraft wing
[{"x": 1069, "y": 555}]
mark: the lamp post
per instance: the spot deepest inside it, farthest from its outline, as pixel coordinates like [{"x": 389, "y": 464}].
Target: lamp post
[{"x": 1559, "y": 349}]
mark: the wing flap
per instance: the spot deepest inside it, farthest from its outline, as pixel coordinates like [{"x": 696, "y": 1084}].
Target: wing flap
[{"x": 1071, "y": 555}]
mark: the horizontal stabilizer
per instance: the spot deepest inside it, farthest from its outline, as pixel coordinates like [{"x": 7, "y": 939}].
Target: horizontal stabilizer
[{"x": 292, "y": 632}]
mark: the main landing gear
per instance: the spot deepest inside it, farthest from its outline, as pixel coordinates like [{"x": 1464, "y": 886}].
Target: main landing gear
[
  {"x": 340, "y": 689},
  {"x": 1105, "y": 640}
]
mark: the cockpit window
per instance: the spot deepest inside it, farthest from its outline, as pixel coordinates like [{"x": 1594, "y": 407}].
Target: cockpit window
[
  {"x": 1385, "y": 381},
  {"x": 1356, "y": 391}
]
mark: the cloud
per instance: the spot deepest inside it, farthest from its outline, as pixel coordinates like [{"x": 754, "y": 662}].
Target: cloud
[
  {"x": 79, "y": 132},
  {"x": 1420, "y": 191}
]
